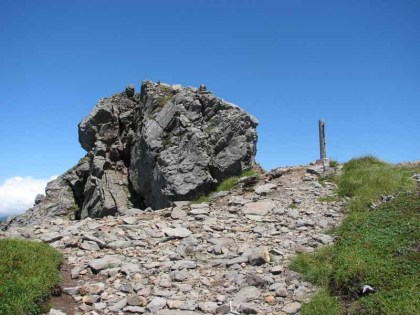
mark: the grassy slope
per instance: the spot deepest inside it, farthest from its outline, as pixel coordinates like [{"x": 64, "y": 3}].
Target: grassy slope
[
  {"x": 376, "y": 246},
  {"x": 28, "y": 272}
]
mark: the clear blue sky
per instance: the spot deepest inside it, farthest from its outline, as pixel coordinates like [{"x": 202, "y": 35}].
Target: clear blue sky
[{"x": 354, "y": 63}]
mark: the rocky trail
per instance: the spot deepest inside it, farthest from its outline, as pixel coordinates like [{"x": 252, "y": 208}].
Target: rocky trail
[{"x": 227, "y": 256}]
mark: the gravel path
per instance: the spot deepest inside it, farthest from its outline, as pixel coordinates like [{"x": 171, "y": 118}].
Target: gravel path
[{"x": 228, "y": 256}]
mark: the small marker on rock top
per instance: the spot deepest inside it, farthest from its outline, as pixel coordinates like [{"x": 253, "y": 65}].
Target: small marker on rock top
[{"x": 130, "y": 90}]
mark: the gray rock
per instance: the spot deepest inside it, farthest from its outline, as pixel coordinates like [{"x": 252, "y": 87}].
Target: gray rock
[
  {"x": 249, "y": 308},
  {"x": 264, "y": 189},
  {"x": 163, "y": 293},
  {"x": 281, "y": 291},
  {"x": 178, "y": 232},
  {"x": 202, "y": 211},
  {"x": 59, "y": 198},
  {"x": 51, "y": 237},
  {"x": 119, "y": 305},
  {"x": 223, "y": 309},
  {"x": 258, "y": 208},
  {"x": 237, "y": 201},
  {"x": 292, "y": 308},
  {"x": 208, "y": 307},
  {"x": 237, "y": 260},
  {"x": 176, "y": 312},
  {"x": 71, "y": 290},
  {"x": 99, "y": 306},
  {"x": 255, "y": 280},
  {"x": 90, "y": 299},
  {"x": 106, "y": 262},
  {"x": 136, "y": 300},
  {"x": 173, "y": 304},
  {"x": 96, "y": 288},
  {"x": 89, "y": 245},
  {"x": 120, "y": 244},
  {"x": 184, "y": 264},
  {"x": 170, "y": 143},
  {"x": 179, "y": 275},
  {"x": 90, "y": 237},
  {"x": 130, "y": 268},
  {"x": 134, "y": 309},
  {"x": 130, "y": 220},
  {"x": 220, "y": 124},
  {"x": 129, "y": 90},
  {"x": 126, "y": 287},
  {"x": 188, "y": 305},
  {"x": 156, "y": 304},
  {"x": 246, "y": 294},
  {"x": 325, "y": 239},
  {"x": 178, "y": 213},
  {"x": 293, "y": 213},
  {"x": 276, "y": 270},
  {"x": 259, "y": 256},
  {"x": 39, "y": 198},
  {"x": 56, "y": 312},
  {"x": 74, "y": 273}
]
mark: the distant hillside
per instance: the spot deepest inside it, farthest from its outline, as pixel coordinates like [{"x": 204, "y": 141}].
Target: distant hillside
[{"x": 3, "y": 218}]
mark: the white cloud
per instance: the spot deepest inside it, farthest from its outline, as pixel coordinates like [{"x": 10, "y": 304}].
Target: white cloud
[{"x": 17, "y": 194}]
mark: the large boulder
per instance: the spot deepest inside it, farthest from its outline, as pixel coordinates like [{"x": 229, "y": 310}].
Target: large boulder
[
  {"x": 148, "y": 149},
  {"x": 188, "y": 140}
]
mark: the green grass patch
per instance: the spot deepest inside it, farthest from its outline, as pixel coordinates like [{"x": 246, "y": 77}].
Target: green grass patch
[
  {"x": 315, "y": 267},
  {"x": 226, "y": 185},
  {"x": 247, "y": 173},
  {"x": 167, "y": 95},
  {"x": 167, "y": 140},
  {"x": 333, "y": 163},
  {"x": 365, "y": 179},
  {"x": 330, "y": 178},
  {"x": 377, "y": 247},
  {"x": 201, "y": 199},
  {"x": 229, "y": 183},
  {"x": 28, "y": 272},
  {"x": 330, "y": 198},
  {"x": 323, "y": 303}
]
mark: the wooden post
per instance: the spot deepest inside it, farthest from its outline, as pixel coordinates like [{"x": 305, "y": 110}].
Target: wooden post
[
  {"x": 322, "y": 151},
  {"x": 322, "y": 140}
]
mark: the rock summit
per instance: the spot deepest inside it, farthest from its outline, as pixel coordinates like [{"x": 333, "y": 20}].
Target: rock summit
[{"x": 149, "y": 149}]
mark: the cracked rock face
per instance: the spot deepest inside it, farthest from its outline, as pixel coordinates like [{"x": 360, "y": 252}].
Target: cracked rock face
[{"x": 148, "y": 149}]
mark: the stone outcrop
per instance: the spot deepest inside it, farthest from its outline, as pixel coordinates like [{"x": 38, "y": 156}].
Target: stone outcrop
[{"x": 149, "y": 149}]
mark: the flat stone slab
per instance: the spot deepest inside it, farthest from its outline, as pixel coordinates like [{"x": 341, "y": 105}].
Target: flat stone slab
[
  {"x": 246, "y": 294},
  {"x": 258, "y": 208},
  {"x": 178, "y": 232},
  {"x": 106, "y": 262},
  {"x": 264, "y": 189},
  {"x": 51, "y": 237}
]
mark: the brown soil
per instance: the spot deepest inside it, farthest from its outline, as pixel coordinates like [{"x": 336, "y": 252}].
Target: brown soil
[{"x": 62, "y": 301}]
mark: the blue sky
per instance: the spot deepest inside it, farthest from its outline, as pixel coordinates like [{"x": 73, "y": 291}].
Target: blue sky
[{"x": 354, "y": 64}]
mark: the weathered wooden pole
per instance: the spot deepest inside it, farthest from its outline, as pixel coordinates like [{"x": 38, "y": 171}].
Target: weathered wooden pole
[
  {"x": 322, "y": 151},
  {"x": 323, "y": 155}
]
